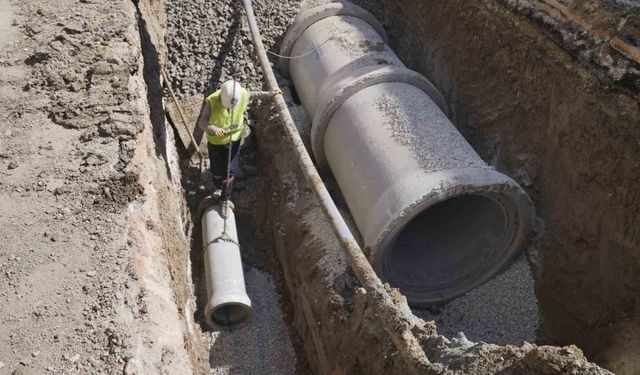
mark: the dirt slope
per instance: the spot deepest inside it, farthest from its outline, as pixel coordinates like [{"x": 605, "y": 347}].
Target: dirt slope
[{"x": 84, "y": 282}]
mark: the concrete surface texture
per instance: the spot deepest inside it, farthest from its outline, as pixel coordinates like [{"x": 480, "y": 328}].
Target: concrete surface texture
[{"x": 399, "y": 160}]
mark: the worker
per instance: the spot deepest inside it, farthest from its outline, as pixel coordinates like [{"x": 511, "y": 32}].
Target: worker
[{"x": 224, "y": 110}]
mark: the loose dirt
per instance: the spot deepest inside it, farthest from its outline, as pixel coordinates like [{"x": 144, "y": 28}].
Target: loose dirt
[
  {"x": 83, "y": 287},
  {"x": 502, "y": 311}
]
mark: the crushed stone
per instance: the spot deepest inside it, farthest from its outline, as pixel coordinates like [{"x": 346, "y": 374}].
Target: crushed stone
[
  {"x": 209, "y": 42},
  {"x": 261, "y": 347},
  {"x": 502, "y": 311}
]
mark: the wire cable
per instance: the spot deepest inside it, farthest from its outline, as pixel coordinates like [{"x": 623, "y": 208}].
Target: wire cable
[{"x": 311, "y": 51}]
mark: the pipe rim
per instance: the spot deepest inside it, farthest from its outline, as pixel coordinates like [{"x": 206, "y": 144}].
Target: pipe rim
[
  {"x": 245, "y": 307},
  {"x": 308, "y": 17},
  {"x": 518, "y": 210},
  {"x": 331, "y": 97}
]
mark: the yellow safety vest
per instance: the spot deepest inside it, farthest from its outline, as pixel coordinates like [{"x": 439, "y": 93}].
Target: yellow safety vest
[{"x": 226, "y": 119}]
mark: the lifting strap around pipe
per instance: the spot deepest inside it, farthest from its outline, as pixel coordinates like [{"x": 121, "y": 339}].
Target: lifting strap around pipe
[{"x": 395, "y": 325}]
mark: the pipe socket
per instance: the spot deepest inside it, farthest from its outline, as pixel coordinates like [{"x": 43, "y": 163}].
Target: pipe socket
[
  {"x": 228, "y": 304},
  {"x": 435, "y": 219}
]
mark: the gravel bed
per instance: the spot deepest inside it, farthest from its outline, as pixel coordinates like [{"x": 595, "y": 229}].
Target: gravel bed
[
  {"x": 502, "y": 311},
  {"x": 261, "y": 347},
  {"x": 209, "y": 42}
]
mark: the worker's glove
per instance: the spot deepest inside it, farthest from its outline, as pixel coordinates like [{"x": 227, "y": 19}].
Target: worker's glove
[{"x": 214, "y": 130}]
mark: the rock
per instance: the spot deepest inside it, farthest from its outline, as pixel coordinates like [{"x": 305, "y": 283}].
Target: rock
[
  {"x": 57, "y": 46},
  {"x": 20, "y": 372},
  {"x": 94, "y": 159},
  {"x": 131, "y": 367},
  {"x": 59, "y": 191},
  {"x": 102, "y": 67},
  {"x": 35, "y": 354},
  {"x": 12, "y": 165},
  {"x": 119, "y": 126},
  {"x": 55, "y": 237},
  {"x": 1, "y": 364},
  {"x": 73, "y": 29},
  {"x": 114, "y": 60}
]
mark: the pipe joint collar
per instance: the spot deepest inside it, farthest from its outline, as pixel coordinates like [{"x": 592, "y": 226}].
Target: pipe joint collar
[
  {"x": 310, "y": 16},
  {"x": 346, "y": 83}
]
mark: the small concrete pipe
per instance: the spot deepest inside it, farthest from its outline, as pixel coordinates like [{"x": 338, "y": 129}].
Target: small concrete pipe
[
  {"x": 435, "y": 219},
  {"x": 228, "y": 304}
]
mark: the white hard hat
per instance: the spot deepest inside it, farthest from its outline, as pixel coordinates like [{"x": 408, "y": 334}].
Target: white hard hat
[{"x": 231, "y": 93}]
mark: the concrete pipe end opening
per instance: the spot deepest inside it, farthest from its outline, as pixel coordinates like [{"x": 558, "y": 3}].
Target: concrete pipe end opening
[
  {"x": 445, "y": 247},
  {"x": 228, "y": 315}
]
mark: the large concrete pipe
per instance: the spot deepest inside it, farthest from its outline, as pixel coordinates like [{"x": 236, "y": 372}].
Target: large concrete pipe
[
  {"x": 227, "y": 304},
  {"x": 435, "y": 219}
]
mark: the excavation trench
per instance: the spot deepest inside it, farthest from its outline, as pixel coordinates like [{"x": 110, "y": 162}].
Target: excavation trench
[
  {"x": 255, "y": 207},
  {"x": 308, "y": 308},
  {"x": 529, "y": 91}
]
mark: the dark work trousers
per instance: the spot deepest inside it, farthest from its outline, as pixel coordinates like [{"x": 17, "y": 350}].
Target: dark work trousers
[{"x": 219, "y": 157}]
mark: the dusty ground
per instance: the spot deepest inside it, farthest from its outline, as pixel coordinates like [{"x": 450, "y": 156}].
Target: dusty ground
[{"x": 84, "y": 285}]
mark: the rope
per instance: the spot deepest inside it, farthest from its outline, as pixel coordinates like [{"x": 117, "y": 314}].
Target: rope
[
  {"x": 221, "y": 239},
  {"x": 225, "y": 204},
  {"x": 311, "y": 51}
]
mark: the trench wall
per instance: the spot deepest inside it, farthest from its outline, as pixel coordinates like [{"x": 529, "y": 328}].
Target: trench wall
[
  {"x": 335, "y": 318},
  {"x": 540, "y": 110}
]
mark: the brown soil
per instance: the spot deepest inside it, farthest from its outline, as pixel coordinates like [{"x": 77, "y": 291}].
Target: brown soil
[
  {"x": 543, "y": 109},
  {"x": 85, "y": 285}
]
